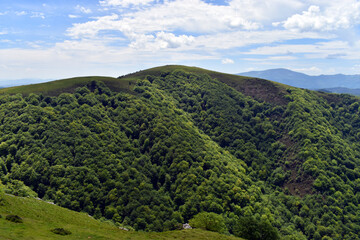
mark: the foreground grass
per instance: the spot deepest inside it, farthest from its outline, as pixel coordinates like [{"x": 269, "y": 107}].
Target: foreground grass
[{"x": 40, "y": 217}]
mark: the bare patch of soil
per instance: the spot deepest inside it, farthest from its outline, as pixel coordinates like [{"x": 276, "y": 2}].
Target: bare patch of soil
[
  {"x": 297, "y": 184},
  {"x": 260, "y": 89}
]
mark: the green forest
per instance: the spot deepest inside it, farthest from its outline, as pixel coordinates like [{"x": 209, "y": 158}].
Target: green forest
[{"x": 240, "y": 156}]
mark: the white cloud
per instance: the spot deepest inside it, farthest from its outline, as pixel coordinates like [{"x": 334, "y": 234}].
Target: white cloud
[
  {"x": 227, "y": 61},
  {"x": 91, "y": 28},
  {"x": 266, "y": 11},
  {"x": 161, "y": 40},
  {"x": 83, "y": 9},
  {"x": 73, "y": 16},
  {"x": 193, "y": 16},
  {"x": 38, "y": 15},
  {"x": 336, "y": 15},
  {"x": 146, "y": 33},
  {"x": 21, "y": 13},
  {"x": 125, "y": 3},
  {"x": 169, "y": 40}
]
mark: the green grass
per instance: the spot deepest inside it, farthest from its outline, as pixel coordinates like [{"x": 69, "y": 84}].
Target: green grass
[
  {"x": 39, "y": 218},
  {"x": 55, "y": 88}
]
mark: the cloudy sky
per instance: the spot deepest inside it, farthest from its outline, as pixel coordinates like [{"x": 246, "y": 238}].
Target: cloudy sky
[{"x": 52, "y": 39}]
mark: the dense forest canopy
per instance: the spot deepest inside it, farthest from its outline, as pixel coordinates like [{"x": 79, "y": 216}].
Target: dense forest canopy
[{"x": 185, "y": 146}]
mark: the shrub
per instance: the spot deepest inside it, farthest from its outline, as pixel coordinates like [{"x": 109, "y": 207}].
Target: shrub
[
  {"x": 209, "y": 221},
  {"x": 252, "y": 229},
  {"x": 61, "y": 231},
  {"x": 14, "y": 218}
]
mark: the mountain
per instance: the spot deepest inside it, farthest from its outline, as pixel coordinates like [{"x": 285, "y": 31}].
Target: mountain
[
  {"x": 301, "y": 80},
  {"x": 169, "y": 145},
  {"x": 351, "y": 91}
]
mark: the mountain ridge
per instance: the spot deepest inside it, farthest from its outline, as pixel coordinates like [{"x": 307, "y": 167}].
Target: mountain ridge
[
  {"x": 179, "y": 141},
  {"x": 302, "y": 80}
]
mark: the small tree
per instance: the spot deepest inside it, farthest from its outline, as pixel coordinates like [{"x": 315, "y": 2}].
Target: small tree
[
  {"x": 252, "y": 229},
  {"x": 209, "y": 221}
]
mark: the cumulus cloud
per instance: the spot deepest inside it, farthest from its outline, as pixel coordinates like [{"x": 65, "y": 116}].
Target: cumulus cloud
[
  {"x": 161, "y": 40},
  {"x": 227, "y": 61},
  {"x": 266, "y": 11},
  {"x": 131, "y": 31},
  {"x": 194, "y": 16},
  {"x": 335, "y": 15},
  {"x": 83, "y": 9},
  {"x": 125, "y": 3},
  {"x": 169, "y": 40},
  {"x": 91, "y": 28}
]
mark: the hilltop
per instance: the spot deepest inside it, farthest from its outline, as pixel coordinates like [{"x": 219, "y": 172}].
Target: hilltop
[{"x": 164, "y": 146}]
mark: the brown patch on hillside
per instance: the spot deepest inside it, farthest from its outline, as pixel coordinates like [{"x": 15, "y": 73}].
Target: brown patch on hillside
[
  {"x": 259, "y": 89},
  {"x": 297, "y": 184}
]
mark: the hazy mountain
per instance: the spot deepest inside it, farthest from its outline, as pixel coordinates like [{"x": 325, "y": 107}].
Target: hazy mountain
[
  {"x": 302, "y": 80},
  {"x": 355, "y": 91}
]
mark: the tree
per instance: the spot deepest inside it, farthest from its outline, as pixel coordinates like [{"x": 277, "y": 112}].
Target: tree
[
  {"x": 209, "y": 221},
  {"x": 252, "y": 229}
]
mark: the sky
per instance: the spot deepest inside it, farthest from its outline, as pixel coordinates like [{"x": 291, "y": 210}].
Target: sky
[{"x": 54, "y": 39}]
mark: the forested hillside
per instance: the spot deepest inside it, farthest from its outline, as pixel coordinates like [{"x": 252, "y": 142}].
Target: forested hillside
[
  {"x": 264, "y": 160},
  {"x": 37, "y": 219}
]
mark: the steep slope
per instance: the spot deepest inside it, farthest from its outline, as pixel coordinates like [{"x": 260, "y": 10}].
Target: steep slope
[
  {"x": 185, "y": 140},
  {"x": 40, "y": 217},
  {"x": 118, "y": 156}
]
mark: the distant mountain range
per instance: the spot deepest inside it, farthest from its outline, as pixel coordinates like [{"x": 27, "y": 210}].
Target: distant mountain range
[
  {"x": 355, "y": 91},
  {"x": 296, "y": 79}
]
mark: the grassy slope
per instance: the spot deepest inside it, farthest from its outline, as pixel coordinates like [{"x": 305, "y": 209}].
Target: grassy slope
[
  {"x": 68, "y": 85},
  {"x": 40, "y": 217}
]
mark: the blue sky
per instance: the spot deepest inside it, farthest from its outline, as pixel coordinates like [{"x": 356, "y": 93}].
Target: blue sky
[{"x": 53, "y": 39}]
